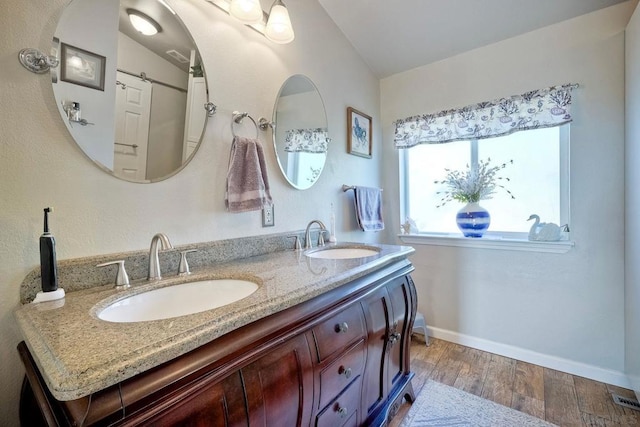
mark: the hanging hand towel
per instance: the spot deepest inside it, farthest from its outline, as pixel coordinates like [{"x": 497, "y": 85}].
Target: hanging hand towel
[
  {"x": 369, "y": 208},
  {"x": 247, "y": 182}
]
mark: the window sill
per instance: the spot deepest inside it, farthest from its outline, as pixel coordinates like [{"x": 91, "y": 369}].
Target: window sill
[{"x": 500, "y": 243}]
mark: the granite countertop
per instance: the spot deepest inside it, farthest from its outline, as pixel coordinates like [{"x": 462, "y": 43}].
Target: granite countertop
[{"x": 79, "y": 354}]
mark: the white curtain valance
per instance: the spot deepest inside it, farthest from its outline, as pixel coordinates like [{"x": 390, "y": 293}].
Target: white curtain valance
[
  {"x": 536, "y": 109},
  {"x": 306, "y": 140}
]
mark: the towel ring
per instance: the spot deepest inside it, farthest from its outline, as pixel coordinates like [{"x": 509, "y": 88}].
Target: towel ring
[{"x": 238, "y": 117}]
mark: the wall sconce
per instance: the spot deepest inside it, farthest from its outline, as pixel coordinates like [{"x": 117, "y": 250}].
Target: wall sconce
[
  {"x": 246, "y": 11},
  {"x": 279, "y": 28},
  {"x": 276, "y": 26},
  {"x": 36, "y": 61},
  {"x": 143, "y": 23}
]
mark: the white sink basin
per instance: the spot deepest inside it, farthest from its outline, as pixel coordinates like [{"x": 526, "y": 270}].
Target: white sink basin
[
  {"x": 177, "y": 300},
  {"x": 342, "y": 253}
]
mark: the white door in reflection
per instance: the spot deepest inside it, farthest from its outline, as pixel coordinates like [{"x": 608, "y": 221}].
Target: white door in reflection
[{"x": 133, "y": 111}]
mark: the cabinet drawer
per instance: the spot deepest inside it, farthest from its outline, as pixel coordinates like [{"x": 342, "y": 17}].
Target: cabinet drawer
[
  {"x": 339, "y": 331},
  {"x": 335, "y": 377},
  {"x": 343, "y": 411}
]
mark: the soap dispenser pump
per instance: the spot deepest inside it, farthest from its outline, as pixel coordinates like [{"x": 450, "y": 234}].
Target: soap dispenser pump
[{"x": 48, "y": 265}]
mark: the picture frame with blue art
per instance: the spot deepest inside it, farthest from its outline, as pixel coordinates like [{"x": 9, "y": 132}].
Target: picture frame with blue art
[{"x": 359, "y": 138}]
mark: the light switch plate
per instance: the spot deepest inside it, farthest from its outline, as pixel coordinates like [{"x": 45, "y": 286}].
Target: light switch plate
[{"x": 267, "y": 216}]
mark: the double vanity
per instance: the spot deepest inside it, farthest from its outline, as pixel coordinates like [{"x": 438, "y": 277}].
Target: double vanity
[{"x": 316, "y": 337}]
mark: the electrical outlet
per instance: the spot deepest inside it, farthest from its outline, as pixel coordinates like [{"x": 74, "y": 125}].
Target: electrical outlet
[{"x": 267, "y": 216}]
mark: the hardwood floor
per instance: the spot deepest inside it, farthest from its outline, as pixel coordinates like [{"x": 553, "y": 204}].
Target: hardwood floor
[{"x": 560, "y": 398}]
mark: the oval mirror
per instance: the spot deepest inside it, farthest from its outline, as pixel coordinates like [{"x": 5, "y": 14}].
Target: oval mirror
[
  {"x": 301, "y": 134},
  {"x": 134, "y": 103}
]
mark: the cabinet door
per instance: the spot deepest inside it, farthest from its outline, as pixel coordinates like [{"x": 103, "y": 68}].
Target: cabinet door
[
  {"x": 279, "y": 386},
  {"x": 387, "y": 313},
  {"x": 377, "y": 309},
  {"x": 208, "y": 405},
  {"x": 399, "y": 332}
]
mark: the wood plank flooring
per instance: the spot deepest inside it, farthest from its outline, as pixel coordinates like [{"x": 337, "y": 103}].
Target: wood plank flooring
[{"x": 557, "y": 397}]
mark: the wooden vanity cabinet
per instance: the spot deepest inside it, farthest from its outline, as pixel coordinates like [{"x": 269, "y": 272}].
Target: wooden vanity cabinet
[{"x": 340, "y": 359}]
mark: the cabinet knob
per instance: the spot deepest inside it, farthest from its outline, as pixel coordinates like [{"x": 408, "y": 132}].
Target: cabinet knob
[
  {"x": 344, "y": 371},
  {"x": 342, "y": 327},
  {"x": 342, "y": 411}
]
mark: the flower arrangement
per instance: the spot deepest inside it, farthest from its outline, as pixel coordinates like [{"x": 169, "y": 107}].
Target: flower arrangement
[{"x": 473, "y": 184}]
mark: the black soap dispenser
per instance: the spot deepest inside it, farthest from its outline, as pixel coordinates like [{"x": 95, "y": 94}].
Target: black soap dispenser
[{"x": 48, "y": 265}]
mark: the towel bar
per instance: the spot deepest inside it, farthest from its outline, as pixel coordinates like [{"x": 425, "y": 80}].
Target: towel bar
[{"x": 351, "y": 187}]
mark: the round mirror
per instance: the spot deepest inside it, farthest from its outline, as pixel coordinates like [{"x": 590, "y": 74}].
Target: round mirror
[
  {"x": 301, "y": 135},
  {"x": 130, "y": 86}
]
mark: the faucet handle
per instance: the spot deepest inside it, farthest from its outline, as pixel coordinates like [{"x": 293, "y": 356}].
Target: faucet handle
[
  {"x": 296, "y": 244},
  {"x": 321, "y": 237},
  {"x": 122, "y": 278},
  {"x": 183, "y": 268}
]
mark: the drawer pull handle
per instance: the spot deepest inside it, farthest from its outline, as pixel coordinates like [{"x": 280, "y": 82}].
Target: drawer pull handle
[
  {"x": 342, "y": 411},
  {"x": 342, "y": 327},
  {"x": 345, "y": 371}
]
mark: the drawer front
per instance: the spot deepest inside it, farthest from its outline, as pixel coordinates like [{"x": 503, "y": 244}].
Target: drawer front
[
  {"x": 339, "y": 331},
  {"x": 336, "y": 376},
  {"x": 343, "y": 411}
]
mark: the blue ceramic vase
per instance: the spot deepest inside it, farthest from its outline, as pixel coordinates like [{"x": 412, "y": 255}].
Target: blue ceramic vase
[{"x": 473, "y": 220}]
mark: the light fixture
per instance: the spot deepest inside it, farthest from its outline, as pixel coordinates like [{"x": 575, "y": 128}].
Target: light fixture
[
  {"x": 143, "y": 23},
  {"x": 279, "y": 28},
  {"x": 277, "y": 25},
  {"x": 246, "y": 11},
  {"x": 36, "y": 61}
]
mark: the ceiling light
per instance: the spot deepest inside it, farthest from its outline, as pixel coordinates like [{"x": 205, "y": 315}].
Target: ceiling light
[
  {"x": 246, "y": 11},
  {"x": 279, "y": 28},
  {"x": 143, "y": 23}
]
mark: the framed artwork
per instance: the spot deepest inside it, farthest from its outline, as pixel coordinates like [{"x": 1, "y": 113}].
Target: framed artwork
[
  {"x": 82, "y": 67},
  {"x": 359, "y": 127}
]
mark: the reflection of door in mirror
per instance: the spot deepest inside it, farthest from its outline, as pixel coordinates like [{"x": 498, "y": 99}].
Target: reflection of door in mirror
[
  {"x": 133, "y": 109},
  {"x": 195, "y": 116}
]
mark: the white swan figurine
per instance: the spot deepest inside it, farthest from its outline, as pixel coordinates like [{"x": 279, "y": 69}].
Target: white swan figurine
[
  {"x": 545, "y": 231},
  {"x": 409, "y": 227}
]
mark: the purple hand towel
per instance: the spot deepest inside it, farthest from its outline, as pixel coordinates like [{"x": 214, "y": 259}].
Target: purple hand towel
[
  {"x": 247, "y": 181},
  {"x": 369, "y": 208}
]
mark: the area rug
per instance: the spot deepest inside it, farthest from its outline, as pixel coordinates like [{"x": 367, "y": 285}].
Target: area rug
[{"x": 440, "y": 405}]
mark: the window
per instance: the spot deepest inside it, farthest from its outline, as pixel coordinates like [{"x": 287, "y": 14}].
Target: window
[{"x": 538, "y": 178}]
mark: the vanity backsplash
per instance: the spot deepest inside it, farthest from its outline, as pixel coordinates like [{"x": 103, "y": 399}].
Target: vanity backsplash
[{"x": 81, "y": 273}]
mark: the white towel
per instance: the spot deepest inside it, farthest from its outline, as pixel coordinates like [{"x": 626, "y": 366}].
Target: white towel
[
  {"x": 369, "y": 208},
  {"x": 247, "y": 181}
]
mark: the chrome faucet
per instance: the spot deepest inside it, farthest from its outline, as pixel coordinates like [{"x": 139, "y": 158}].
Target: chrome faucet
[
  {"x": 154, "y": 262},
  {"x": 307, "y": 234}
]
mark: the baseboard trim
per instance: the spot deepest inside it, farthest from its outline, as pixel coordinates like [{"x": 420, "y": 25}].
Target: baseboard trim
[
  {"x": 617, "y": 378},
  {"x": 635, "y": 385}
]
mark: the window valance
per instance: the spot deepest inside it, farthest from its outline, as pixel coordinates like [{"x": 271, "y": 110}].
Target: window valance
[
  {"x": 536, "y": 109},
  {"x": 306, "y": 140}
]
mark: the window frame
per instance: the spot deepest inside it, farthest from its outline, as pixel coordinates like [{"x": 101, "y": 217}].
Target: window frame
[{"x": 494, "y": 239}]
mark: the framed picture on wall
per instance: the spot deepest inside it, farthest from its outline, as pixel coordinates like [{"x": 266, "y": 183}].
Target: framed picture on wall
[
  {"x": 359, "y": 127},
  {"x": 81, "y": 67}
]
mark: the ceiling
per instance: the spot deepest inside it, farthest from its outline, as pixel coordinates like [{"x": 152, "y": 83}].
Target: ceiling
[{"x": 395, "y": 36}]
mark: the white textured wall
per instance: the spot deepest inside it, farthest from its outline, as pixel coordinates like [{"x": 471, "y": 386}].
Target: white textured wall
[
  {"x": 97, "y": 214},
  {"x": 632, "y": 201},
  {"x": 564, "y": 309}
]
